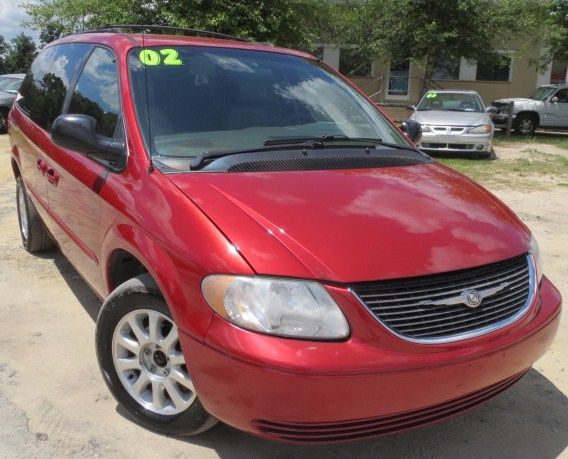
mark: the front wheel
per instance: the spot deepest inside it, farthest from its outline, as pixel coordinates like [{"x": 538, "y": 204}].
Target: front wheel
[
  {"x": 142, "y": 363},
  {"x": 525, "y": 124}
]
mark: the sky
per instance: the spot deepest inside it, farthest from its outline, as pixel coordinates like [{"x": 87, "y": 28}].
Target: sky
[{"x": 11, "y": 15}]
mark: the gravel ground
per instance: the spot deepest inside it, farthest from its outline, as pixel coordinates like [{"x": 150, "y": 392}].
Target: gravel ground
[{"x": 53, "y": 401}]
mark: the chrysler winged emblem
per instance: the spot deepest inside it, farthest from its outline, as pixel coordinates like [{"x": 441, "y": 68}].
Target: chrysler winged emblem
[{"x": 470, "y": 297}]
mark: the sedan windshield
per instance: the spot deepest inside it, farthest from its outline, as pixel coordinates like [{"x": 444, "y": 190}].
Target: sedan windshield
[
  {"x": 194, "y": 100},
  {"x": 451, "y": 101},
  {"x": 11, "y": 85},
  {"x": 542, "y": 93}
]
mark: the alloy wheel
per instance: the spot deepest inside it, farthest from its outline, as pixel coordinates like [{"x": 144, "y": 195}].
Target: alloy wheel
[{"x": 150, "y": 365}]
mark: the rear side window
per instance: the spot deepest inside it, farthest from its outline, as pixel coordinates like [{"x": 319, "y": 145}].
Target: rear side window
[
  {"x": 96, "y": 93},
  {"x": 46, "y": 84}
]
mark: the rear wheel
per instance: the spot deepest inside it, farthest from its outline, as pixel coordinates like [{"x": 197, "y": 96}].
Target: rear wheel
[
  {"x": 525, "y": 124},
  {"x": 142, "y": 362},
  {"x": 35, "y": 237}
]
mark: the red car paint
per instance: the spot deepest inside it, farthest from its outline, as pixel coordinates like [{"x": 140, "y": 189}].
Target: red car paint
[{"x": 337, "y": 226}]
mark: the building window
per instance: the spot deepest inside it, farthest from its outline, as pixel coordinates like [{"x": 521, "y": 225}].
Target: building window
[
  {"x": 558, "y": 74},
  {"x": 494, "y": 71},
  {"x": 398, "y": 78},
  {"x": 446, "y": 69},
  {"x": 352, "y": 64}
]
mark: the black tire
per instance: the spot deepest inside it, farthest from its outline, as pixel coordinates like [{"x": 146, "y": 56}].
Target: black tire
[
  {"x": 36, "y": 238},
  {"x": 126, "y": 298},
  {"x": 3, "y": 120},
  {"x": 491, "y": 155},
  {"x": 525, "y": 124}
]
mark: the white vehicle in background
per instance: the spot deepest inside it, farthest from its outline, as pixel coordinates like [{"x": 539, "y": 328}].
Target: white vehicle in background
[
  {"x": 454, "y": 121},
  {"x": 546, "y": 107}
]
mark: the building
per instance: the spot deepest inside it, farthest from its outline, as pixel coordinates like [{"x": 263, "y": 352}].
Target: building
[{"x": 397, "y": 84}]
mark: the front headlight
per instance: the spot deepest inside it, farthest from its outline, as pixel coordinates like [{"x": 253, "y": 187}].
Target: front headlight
[
  {"x": 535, "y": 252},
  {"x": 425, "y": 128},
  {"x": 296, "y": 309},
  {"x": 483, "y": 129}
]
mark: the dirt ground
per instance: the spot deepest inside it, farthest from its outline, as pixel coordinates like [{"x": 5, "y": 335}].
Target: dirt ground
[{"x": 53, "y": 401}]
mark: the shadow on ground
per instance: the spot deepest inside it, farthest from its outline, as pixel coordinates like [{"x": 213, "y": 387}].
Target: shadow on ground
[{"x": 529, "y": 420}]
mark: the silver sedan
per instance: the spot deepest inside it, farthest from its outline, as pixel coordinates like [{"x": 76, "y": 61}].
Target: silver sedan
[{"x": 454, "y": 121}]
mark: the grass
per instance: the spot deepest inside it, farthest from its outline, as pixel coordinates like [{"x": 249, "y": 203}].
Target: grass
[
  {"x": 544, "y": 138},
  {"x": 537, "y": 171}
]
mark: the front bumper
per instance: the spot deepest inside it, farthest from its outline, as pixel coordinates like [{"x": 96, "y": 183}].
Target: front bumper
[
  {"x": 500, "y": 120},
  {"x": 372, "y": 384},
  {"x": 464, "y": 143}
]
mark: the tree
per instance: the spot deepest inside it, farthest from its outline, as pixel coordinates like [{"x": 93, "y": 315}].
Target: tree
[
  {"x": 429, "y": 32},
  {"x": 3, "y": 49},
  {"x": 50, "y": 32},
  {"x": 556, "y": 32},
  {"x": 21, "y": 53},
  {"x": 283, "y": 22}
]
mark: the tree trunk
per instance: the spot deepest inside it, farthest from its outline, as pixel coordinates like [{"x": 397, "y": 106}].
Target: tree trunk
[{"x": 427, "y": 80}]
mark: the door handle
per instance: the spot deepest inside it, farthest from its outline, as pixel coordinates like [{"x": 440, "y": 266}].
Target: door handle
[
  {"x": 41, "y": 165},
  {"x": 52, "y": 176}
]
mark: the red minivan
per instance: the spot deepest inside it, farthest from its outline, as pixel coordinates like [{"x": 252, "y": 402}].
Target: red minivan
[{"x": 273, "y": 252}]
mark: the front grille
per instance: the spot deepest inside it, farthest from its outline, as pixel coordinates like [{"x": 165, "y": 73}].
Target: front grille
[
  {"x": 446, "y": 146},
  {"x": 336, "y": 432},
  {"x": 400, "y": 305}
]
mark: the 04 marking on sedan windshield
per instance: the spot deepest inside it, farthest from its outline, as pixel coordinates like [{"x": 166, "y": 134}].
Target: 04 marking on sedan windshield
[{"x": 470, "y": 297}]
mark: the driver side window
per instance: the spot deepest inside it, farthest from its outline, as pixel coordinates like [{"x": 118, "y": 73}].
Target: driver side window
[
  {"x": 562, "y": 96},
  {"x": 96, "y": 93}
]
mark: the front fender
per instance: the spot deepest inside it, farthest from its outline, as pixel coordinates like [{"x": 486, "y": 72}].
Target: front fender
[{"x": 178, "y": 279}]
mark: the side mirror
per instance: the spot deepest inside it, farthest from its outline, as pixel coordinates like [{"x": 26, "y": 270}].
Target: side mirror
[
  {"x": 554, "y": 100},
  {"x": 410, "y": 107},
  {"x": 492, "y": 109},
  {"x": 413, "y": 130},
  {"x": 79, "y": 133}
]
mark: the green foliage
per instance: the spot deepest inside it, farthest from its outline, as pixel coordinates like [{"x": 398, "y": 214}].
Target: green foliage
[
  {"x": 429, "y": 30},
  {"x": 294, "y": 23},
  {"x": 18, "y": 55},
  {"x": 50, "y": 32},
  {"x": 3, "y": 49},
  {"x": 556, "y": 31}
]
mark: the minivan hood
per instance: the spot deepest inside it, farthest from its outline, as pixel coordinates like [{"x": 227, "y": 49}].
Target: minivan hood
[
  {"x": 357, "y": 225},
  {"x": 448, "y": 118}
]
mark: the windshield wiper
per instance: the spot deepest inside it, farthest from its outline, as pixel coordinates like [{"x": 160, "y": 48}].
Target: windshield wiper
[
  {"x": 315, "y": 141},
  {"x": 299, "y": 143}
]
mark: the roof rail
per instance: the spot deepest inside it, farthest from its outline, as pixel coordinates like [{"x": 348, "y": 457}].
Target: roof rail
[{"x": 147, "y": 28}]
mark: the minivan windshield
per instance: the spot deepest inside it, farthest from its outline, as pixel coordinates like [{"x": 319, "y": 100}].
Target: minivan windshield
[
  {"x": 451, "y": 101},
  {"x": 191, "y": 100}
]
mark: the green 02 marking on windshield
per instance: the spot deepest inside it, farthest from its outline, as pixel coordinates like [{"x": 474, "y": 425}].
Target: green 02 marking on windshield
[{"x": 153, "y": 58}]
